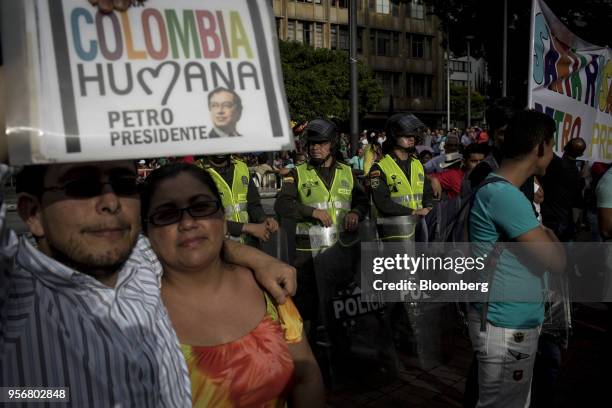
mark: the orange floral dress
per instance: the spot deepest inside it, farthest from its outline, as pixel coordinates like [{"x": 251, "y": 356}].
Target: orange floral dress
[{"x": 255, "y": 370}]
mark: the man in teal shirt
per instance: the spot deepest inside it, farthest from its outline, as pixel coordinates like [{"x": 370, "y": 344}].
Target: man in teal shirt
[{"x": 506, "y": 350}]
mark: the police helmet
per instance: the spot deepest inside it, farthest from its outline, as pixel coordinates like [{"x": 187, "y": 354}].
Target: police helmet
[
  {"x": 400, "y": 125},
  {"x": 321, "y": 131}
]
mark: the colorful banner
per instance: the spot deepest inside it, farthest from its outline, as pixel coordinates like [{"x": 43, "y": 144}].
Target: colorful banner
[
  {"x": 571, "y": 81},
  {"x": 169, "y": 78}
]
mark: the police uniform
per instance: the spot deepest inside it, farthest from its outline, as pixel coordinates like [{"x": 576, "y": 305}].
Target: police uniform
[
  {"x": 239, "y": 197},
  {"x": 305, "y": 189},
  {"x": 399, "y": 187}
]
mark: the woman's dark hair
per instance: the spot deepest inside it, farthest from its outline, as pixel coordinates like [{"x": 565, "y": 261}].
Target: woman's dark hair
[{"x": 162, "y": 173}]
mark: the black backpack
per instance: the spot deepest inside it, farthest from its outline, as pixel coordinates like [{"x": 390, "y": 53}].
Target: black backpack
[{"x": 449, "y": 220}]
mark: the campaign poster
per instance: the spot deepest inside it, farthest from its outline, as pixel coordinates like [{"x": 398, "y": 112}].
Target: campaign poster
[
  {"x": 168, "y": 78},
  {"x": 571, "y": 81}
]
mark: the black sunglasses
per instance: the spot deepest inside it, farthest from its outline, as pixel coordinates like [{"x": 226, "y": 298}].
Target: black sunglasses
[
  {"x": 89, "y": 187},
  {"x": 201, "y": 209}
]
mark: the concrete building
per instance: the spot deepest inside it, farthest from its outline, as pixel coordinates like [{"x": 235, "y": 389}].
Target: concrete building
[
  {"x": 398, "y": 40},
  {"x": 479, "y": 76}
]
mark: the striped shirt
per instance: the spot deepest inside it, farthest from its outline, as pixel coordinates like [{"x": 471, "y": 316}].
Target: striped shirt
[{"x": 113, "y": 347}]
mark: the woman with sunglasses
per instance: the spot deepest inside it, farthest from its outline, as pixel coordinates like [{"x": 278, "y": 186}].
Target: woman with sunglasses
[{"x": 241, "y": 348}]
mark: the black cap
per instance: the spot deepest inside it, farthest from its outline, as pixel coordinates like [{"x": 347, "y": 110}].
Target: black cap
[
  {"x": 402, "y": 124},
  {"x": 320, "y": 130}
]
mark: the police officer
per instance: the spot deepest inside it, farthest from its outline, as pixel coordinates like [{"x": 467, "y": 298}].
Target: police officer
[
  {"x": 401, "y": 193},
  {"x": 240, "y": 199},
  {"x": 320, "y": 193},
  {"x": 398, "y": 183}
]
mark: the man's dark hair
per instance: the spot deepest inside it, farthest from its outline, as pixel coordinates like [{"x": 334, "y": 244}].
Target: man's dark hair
[
  {"x": 525, "y": 131},
  {"x": 425, "y": 153},
  {"x": 237, "y": 99},
  {"x": 500, "y": 113},
  {"x": 262, "y": 158},
  {"x": 31, "y": 180},
  {"x": 475, "y": 148},
  {"x": 162, "y": 173}
]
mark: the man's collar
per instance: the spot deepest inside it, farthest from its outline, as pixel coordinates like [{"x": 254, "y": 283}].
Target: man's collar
[
  {"x": 55, "y": 273},
  {"x": 222, "y": 133},
  {"x": 335, "y": 164},
  {"x": 397, "y": 159}
]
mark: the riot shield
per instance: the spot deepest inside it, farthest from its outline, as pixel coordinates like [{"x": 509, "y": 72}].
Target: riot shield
[
  {"x": 397, "y": 229},
  {"x": 354, "y": 339},
  {"x": 278, "y": 245}
]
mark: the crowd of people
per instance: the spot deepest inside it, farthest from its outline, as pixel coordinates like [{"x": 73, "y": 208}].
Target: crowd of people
[{"x": 90, "y": 266}]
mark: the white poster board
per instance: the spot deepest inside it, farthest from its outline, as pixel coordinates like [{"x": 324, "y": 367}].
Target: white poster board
[
  {"x": 571, "y": 81},
  {"x": 170, "y": 78}
]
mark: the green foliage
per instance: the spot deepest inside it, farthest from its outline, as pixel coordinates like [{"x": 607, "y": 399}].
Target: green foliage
[
  {"x": 458, "y": 97},
  {"x": 317, "y": 83}
]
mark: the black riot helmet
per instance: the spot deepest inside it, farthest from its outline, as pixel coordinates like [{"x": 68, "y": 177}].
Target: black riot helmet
[
  {"x": 321, "y": 131},
  {"x": 401, "y": 125}
]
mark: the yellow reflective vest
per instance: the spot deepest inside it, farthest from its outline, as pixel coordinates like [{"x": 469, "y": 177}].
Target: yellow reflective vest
[
  {"x": 234, "y": 198},
  {"x": 313, "y": 192},
  {"x": 404, "y": 192}
]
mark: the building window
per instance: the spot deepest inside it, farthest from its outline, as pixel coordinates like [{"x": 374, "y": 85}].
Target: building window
[
  {"x": 333, "y": 37},
  {"x": 390, "y": 82},
  {"x": 395, "y": 8},
  {"x": 291, "y": 30},
  {"x": 382, "y": 6},
  {"x": 459, "y": 66},
  {"x": 343, "y": 44},
  {"x": 340, "y": 3},
  {"x": 418, "y": 86},
  {"x": 309, "y": 1},
  {"x": 299, "y": 32},
  {"x": 385, "y": 79},
  {"x": 339, "y": 37},
  {"x": 397, "y": 90},
  {"x": 308, "y": 34},
  {"x": 318, "y": 43},
  {"x": 384, "y": 43},
  {"x": 419, "y": 46},
  {"x": 395, "y": 47},
  {"x": 417, "y": 9}
]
